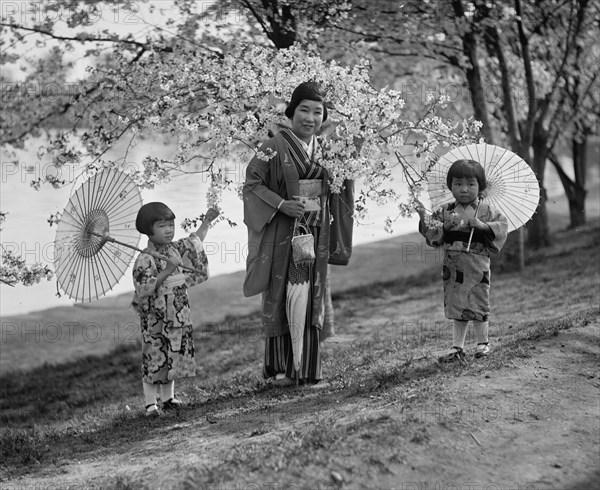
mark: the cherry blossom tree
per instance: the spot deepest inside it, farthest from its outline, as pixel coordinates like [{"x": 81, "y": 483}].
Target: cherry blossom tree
[
  {"x": 216, "y": 92},
  {"x": 530, "y": 68}
]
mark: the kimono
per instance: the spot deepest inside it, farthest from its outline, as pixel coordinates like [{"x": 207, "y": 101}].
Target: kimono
[
  {"x": 466, "y": 275},
  {"x": 165, "y": 315},
  {"x": 268, "y": 263}
]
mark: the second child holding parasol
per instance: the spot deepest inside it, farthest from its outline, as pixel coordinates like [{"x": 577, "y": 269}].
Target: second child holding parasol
[
  {"x": 480, "y": 193},
  {"x": 471, "y": 231}
]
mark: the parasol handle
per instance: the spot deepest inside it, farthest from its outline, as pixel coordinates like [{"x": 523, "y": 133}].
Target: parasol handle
[
  {"x": 156, "y": 255},
  {"x": 473, "y": 229}
]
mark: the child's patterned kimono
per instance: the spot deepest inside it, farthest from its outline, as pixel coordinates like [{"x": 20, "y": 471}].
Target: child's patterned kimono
[
  {"x": 165, "y": 316},
  {"x": 466, "y": 275}
]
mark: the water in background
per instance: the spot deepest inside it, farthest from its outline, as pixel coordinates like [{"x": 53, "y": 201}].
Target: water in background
[{"x": 27, "y": 232}]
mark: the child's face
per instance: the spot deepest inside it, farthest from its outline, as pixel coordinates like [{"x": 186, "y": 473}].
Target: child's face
[
  {"x": 465, "y": 190},
  {"x": 162, "y": 232}
]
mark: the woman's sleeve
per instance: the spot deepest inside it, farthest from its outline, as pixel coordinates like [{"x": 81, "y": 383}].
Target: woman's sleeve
[
  {"x": 432, "y": 228},
  {"x": 341, "y": 209},
  {"x": 260, "y": 202},
  {"x": 193, "y": 256}
]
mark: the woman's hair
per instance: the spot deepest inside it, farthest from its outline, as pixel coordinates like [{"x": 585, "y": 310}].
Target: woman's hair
[
  {"x": 306, "y": 91},
  {"x": 151, "y": 213},
  {"x": 466, "y": 169}
]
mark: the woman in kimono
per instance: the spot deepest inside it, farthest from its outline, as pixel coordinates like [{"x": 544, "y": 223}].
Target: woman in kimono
[
  {"x": 270, "y": 213},
  {"x": 466, "y": 269}
]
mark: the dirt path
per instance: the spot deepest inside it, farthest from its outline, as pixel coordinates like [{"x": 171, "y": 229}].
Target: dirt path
[
  {"x": 532, "y": 424},
  {"x": 387, "y": 416}
]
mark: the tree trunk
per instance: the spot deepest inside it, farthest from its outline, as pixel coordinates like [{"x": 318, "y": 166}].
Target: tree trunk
[
  {"x": 473, "y": 75},
  {"x": 577, "y": 210},
  {"x": 574, "y": 191},
  {"x": 282, "y": 22},
  {"x": 577, "y": 199},
  {"x": 538, "y": 232},
  {"x": 276, "y": 20}
]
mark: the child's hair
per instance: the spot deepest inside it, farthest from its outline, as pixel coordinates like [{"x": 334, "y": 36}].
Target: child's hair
[
  {"x": 151, "y": 213},
  {"x": 466, "y": 169}
]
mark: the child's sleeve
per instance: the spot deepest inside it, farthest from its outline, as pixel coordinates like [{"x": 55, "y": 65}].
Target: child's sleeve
[
  {"x": 432, "y": 228},
  {"x": 499, "y": 226},
  {"x": 144, "y": 281},
  {"x": 193, "y": 255}
]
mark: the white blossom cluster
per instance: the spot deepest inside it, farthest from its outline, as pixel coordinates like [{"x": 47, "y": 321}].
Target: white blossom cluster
[
  {"x": 221, "y": 108},
  {"x": 14, "y": 270}
]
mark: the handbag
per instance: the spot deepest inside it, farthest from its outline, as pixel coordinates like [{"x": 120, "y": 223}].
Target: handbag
[{"x": 303, "y": 245}]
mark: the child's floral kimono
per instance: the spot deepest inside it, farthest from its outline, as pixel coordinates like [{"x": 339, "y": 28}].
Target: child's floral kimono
[
  {"x": 165, "y": 316},
  {"x": 466, "y": 275}
]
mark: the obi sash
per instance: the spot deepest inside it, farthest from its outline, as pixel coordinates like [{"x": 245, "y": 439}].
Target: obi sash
[
  {"x": 463, "y": 236},
  {"x": 171, "y": 282},
  {"x": 310, "y": 193}
]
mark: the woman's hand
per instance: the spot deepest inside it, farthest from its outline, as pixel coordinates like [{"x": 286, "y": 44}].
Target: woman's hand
[{"x": 295, "y": 209}]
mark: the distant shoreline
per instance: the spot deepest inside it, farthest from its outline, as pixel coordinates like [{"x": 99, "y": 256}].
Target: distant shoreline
[
  {"x": 228, "y": 280},
  {"x": 385, "y": 259},
  {"x": 60, "y": 334}
]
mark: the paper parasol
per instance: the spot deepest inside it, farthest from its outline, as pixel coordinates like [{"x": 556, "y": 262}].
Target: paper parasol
[
  {"x": 297, "y": 290},
  {"x": 88, "y": 263},
  {"x": 512, "y": 187},
  {"x": 96, "y": 236}
]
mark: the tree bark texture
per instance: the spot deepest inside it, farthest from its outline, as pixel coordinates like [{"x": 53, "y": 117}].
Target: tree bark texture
[
  {"x": 538, "y": 231},
  {"x": 473, "y": 75}
]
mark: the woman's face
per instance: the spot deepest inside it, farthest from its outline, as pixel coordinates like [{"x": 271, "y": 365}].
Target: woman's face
[{"x": 307, "y": 119}]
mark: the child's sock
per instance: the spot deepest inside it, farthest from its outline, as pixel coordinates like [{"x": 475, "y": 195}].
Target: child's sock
[
  {"x": 150, "y": 390},
  {"x": 459, "y": 332},
  {"x": 481, "y": 331},
  {"x": 167, "y": 391}
]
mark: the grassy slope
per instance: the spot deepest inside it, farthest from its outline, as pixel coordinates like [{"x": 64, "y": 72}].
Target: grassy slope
[
  {"x": 363, "y": 426},
  {"x": 63, "y": 334}
]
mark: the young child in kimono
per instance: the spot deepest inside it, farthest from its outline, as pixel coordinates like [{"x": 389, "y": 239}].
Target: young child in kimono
[
  {"x": 162, "y": 302},
  {"x": 466, "y": 273}
]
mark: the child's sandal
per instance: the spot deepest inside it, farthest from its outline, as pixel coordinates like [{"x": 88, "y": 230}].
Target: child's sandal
[
  {"x": 454, "y": 354},
  {"x": 152, "y": 410},
  {"x": 172, "y": 404},
  {"x": 482, "y": 350}
]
